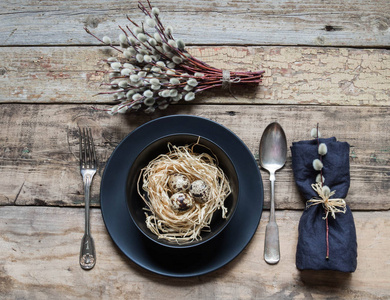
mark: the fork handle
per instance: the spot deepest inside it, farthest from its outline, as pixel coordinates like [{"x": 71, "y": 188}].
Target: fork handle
[
  {"x": 87, "y": 250},
  {"x": 87, "y": 253},
  {"x": 87, "y": 178}
]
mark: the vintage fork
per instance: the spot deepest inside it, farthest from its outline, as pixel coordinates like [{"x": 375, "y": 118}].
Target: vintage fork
[{"x": 88, "y": 164}]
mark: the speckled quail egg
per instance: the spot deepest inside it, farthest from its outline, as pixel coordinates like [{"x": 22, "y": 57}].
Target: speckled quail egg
[
  {"x": 179, "y": 183},
  {"x": 200, "y": 191},
  {"x": 181, "y": 202}
]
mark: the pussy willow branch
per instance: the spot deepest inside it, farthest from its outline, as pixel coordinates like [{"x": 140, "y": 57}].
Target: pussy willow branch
[{"x": 173, "y": 62}]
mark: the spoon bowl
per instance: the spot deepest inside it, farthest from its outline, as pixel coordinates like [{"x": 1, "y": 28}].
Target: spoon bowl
[
  {"x": 272, "y": 157},
  {"x": 273, "y": 147}
]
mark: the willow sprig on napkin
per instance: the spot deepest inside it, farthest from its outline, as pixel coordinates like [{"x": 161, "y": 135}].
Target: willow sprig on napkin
[
  {"x": 332, "y": 206},
  {"x": 156, "y": 70}
]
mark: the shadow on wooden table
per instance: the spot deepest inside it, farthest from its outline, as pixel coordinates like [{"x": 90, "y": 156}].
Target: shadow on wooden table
[{"x": 333, "y": 279}]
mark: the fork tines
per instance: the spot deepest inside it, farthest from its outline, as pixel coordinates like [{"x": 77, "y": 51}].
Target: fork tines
[{"x": 87, "y": 149}]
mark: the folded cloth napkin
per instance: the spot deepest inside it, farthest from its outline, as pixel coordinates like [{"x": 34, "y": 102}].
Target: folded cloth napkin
[{"x": 313, "y": 245}]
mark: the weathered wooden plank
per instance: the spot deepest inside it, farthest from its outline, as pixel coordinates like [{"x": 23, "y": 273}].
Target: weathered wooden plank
[
  {"x": 40, "y": 247},
  {"x": 39, "y": 144},
  {"x": 323, "y": 23},
  {"x": 293, "y": 75}
]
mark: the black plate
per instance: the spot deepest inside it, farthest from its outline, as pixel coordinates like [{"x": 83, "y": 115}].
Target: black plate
[{"x": 178, "y": 262}]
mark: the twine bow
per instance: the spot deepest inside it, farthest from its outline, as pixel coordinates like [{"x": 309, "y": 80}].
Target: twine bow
[
  {"x": 332, "y": 206},
  {"x": 226, "y": 80}
]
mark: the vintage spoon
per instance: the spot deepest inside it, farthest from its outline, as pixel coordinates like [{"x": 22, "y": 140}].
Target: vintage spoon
[{"x": 272, "y": 157}]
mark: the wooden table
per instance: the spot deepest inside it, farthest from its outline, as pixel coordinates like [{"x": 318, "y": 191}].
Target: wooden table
[{"x": 325, "y": 62}]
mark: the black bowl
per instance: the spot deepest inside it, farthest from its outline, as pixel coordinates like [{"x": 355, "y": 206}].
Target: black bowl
[{"x": 136, "y": 205}]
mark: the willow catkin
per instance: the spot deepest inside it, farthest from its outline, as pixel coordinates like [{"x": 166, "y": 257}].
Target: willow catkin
[{"x": 161, "y": 219}]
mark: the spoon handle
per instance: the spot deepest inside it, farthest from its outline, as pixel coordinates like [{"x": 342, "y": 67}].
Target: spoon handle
[{"x": 271, "y": 243}]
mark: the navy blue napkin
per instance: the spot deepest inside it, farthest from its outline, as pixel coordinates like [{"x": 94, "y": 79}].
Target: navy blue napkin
[{"x": 312, "y": 245}]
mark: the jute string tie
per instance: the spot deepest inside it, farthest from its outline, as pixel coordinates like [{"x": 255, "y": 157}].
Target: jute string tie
[
  {"x": 227, "y": 81},
  {"x": 332, "y": 206}
]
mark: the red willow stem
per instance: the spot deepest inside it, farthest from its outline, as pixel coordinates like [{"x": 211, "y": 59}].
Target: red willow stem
[
  {"x": 326, "y": 220},
  {"x": 327, "y": 238},
  {"x": 201, "y": 89},
  {"x": 89, "y": 32},
  {"x": 200, "y": 65},
  {"x": 135, "y": 24},
  {"x": 318, "y": 146}
]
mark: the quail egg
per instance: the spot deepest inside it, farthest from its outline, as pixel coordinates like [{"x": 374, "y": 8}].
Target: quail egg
[
  {"x": 200, "y": 191},
  {"x": 181, "y": 202},
  {"x": 178, "y": 183}
]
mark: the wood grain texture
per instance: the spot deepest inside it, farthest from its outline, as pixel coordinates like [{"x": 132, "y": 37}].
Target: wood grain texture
[
  {"x": 40, "y": 247},
  {"x": 222, "y": 22},
  {"x": 293, "y": 75},
  {"x": 325, "y": 62},
  {"x": 39, "y": 147}
]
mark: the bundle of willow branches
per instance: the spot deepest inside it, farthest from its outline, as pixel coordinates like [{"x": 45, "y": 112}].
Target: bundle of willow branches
[{"x": 155, "y": 69}]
